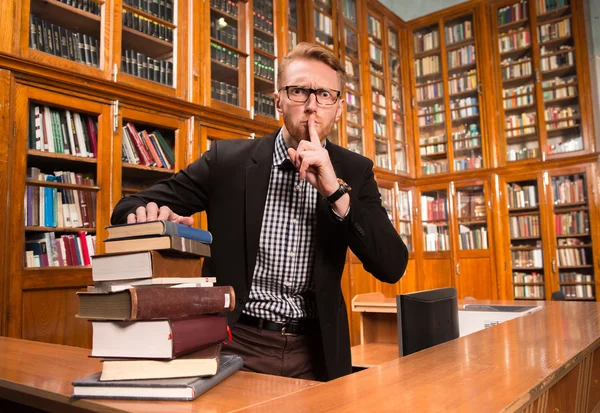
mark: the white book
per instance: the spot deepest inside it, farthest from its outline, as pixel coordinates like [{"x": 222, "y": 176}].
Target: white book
[{"x": 80, "y": 135}]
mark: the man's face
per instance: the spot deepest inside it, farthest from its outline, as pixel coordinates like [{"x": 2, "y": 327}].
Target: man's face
[{"x": 315, "y": 75}]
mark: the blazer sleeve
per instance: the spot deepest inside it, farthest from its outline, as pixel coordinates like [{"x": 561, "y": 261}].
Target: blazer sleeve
[
  {"x": 185, "y": 193},
  {"x": 372, "y": 237}
]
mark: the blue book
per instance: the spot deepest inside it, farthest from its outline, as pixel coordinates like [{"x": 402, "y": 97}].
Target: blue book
[
  {"x": 153, "y": 228},
  {"x": 156, "y": 389}
]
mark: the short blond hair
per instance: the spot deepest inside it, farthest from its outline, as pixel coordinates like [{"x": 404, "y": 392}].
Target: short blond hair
[{"x": 308, "y": 51}]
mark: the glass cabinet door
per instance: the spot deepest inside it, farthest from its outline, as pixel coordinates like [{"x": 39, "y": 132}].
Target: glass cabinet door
[
  {"x": 264, "y": 59},
  {"x": 398, "y": 115},
  {"x": 292, "y": 24},
  {"x": 405, "y": 217},
  {"x": 434, "y": 218},
  {"x": 431, "y": 118},
  {"x": 472, "y": 218}
]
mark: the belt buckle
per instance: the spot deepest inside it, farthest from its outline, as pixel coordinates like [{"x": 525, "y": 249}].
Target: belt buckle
[{"x": 285, "y": 333}]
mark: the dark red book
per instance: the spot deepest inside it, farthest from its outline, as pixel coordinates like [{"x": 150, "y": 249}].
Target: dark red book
[
  {"x": 157, "y": 339},
  {"x": 149, "y": 303}
]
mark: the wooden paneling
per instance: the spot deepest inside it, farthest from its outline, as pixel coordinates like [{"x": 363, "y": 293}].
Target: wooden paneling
[
  {"x": 49, "y": 316},
  {"x": 593, "y": 402},
  {"x": 437, "y": 273},
  {"x": 474, "y": 279},
  {"x": 561, "y": 397},
  {"x": 410, "y": 281}
]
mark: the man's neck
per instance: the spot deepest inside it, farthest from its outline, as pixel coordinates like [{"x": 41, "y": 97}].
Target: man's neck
[{"x": 287, "y": 138}]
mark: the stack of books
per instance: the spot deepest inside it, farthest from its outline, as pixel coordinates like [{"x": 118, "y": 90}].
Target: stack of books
[{"x": 157, "y": 324}]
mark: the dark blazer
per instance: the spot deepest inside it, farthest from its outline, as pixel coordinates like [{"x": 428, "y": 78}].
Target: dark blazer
[{"x": 230, "y": 183}]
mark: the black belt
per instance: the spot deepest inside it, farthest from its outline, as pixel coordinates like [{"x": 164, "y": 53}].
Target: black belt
[{"x": 288, "y": 328}]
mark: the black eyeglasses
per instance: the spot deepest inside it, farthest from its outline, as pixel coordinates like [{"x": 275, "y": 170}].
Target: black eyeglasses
[{"x": 302, "y": 94}]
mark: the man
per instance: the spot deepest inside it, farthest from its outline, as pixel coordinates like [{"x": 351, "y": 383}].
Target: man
[{"x": 283, "y": 209}]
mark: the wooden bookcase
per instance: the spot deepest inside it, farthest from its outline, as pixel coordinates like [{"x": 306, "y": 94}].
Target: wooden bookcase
[
  {"x": 542, "y": 80},
  {"x": 448, "y": 116},
  {"x": 551, "y": 233}
]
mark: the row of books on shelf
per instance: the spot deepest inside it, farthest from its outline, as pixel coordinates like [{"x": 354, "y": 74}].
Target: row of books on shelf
[
  {"x": 48, "y": 250},
  {"x": 531, "y": 292},
  {"x": 464, "y": 107},
  {"x": 429, "y": 120},
  {"x": 559, "y": 93},
  {"x": 224, "y": 55},
  {"x": 59, "y": 41},
  {"x": 514, "y": 12},
  {"x": 527, "y": 259},
  {"x": 471, "y": 205},
  {"x": 349, "y": 12},
  {"x": 227, "y": 34},
  {"x": 228, "y": 6},
  {"x": 143, "y": 148},
  {"x": 462, "y": 84},
  {"x": 434, "y": 167},
  {"x": 573, "y": 257},
  {"x": 263, "y": 15},
  {"x": 544, "y": 6},
  {"x": 571, "y": 223},
  {"x": 459, "y": 32},
  {"x": 433, "y": 209},
  {"x": 513, "y": 40},
  {"x": 145, "y": 67},
  {"x": 430, "y": 65},
  {"x": 467, "y": 143},
  {"x": 519, "y": 154},
  {"x": 516, "y": 92},
  {"x": 264, "y": 105},
  {"x": 430, "y": 91},
  {"x": 468, "y": 162},
  {"x": 86, "y": 5},
  {"x": 163, "y": 9},
  {"x": 433, "y": 149},
  {"x": 557, "y": 113},
  {"x": 575, "y": 277},
  {"x": 147, "y": 26},
  {"x": 461, "y": 57},
  {"x": 378, "y": 99},
  {"x": 569, "y": 189},
  {"x": 374, "y": 28},
  {"x": 524, "y": 226},
  {"x": 164, "y": 297},
  {"x": 435, "y": 238},
  {"x": 379, "y": 127},
  {"x": 47, "y": 206},
  {"x": 556, "y": 61},
  {"x": 424, "y": 42},
  {"x": 264, "y": 67},
  {"x": 323, "y": 24},
  {"x": 578, "y": 291},
  {"x": 265, "y": 46},
  {"x": 516, "y": 69},
  {"x": 224, "y": 92},
  {"x": 556, "y": 30},
  {"x": 472, "y": 239},
  {"x": 376, "y": 54},
  {"x": 62, "y": 131},
  {"x": 564, "y": 146},
  {"x": 528, "y": 277},
  {"x": 514, "y": 122}
]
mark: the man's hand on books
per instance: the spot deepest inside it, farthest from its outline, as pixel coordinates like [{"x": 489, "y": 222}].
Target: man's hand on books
[{"x": 151, "y": 212}]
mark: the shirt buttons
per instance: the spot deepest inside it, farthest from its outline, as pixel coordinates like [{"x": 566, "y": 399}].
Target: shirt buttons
[
  {"x": 291, "y": 253},
  {"x": 294, "y": 221}
]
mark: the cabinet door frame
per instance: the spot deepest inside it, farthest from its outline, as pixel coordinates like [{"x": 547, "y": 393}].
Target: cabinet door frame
[{"x": 51, "y": 278}]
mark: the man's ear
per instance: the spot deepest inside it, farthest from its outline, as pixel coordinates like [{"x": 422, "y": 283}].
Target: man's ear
[
  {"x": 338, "y": 112},
  {"x": 277, "y": 97}
]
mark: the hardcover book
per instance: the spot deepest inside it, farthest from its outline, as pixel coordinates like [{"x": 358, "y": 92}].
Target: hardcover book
[
  {"x": 203, "y": 362},
  {"x": 172, "y": 243},
  {"x": 159, "y": 389},
  {"x": 162, "y": 227},
  {"x": 144, "y": 265},
  {"x": 157, "y": 339},
  {"x": 155, "y": 302}
]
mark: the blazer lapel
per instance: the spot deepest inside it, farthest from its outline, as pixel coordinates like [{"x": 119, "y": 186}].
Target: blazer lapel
[{"x": 258, "y": 173}]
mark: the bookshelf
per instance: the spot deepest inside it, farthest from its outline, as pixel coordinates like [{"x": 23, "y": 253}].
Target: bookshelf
[
  {"x": 540, "y": 79},
  {"x": 352, "y": 58},
  {"x": 405, "y": 217},
  {"x": 571, "y": 234},
  {"x": 448, "y": 97},
  {"x": 292, "y": 24}
]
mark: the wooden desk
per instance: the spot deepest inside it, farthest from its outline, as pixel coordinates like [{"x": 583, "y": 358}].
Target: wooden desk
[
  {"x": 539, "y": 363},
  {"x": 373, "y": 354},
  {"x": 40, "y": 375}
]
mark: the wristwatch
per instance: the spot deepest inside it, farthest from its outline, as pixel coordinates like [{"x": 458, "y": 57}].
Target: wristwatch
[{"x": 343, "y": 189}]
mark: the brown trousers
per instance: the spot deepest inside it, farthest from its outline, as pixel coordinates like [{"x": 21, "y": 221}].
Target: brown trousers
[{"x": 270, "y": 352}]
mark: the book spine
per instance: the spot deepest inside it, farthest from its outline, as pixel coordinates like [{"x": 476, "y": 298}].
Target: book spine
[
  {"x": 193, "y": 334},
  {"x": 184, "y": 231},
  {"x": 149, "y": 303}
]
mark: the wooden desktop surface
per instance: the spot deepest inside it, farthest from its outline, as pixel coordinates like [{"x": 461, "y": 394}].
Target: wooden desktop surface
[
  {"x": 500, "y": 369},
  {"x": 40, "y": 374}
]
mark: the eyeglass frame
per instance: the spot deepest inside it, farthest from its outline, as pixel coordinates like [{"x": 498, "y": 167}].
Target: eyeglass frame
[{"x": 312, "y": 91}]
